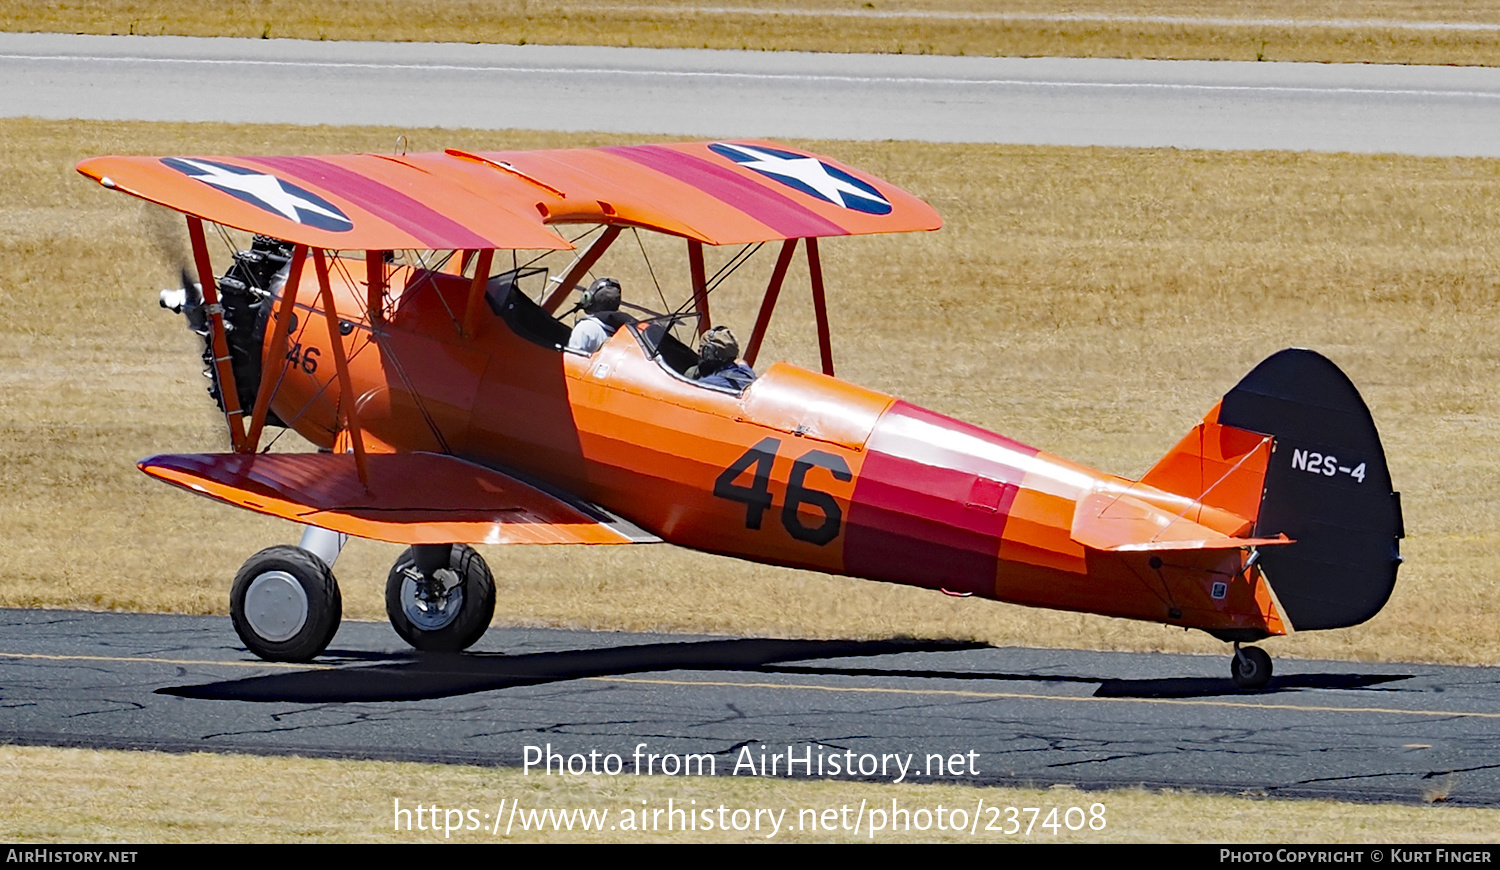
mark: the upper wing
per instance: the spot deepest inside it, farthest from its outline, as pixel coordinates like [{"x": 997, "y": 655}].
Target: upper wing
[
  {"x": 412, "y": 498},
  {"x": 715, "y": 192},
  {"x": 720, "y": 193},
  {"x": 348, "y": 202}
]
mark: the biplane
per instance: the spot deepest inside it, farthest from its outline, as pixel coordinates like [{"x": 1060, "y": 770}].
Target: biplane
[{"x": 383, "y": 311}]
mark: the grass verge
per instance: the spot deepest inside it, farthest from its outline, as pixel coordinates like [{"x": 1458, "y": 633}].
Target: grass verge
[
  {"x": 77, "y": 795},
  {"x": 1348, "y": 31}
]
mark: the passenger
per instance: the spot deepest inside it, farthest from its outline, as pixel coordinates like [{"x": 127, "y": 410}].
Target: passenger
[
  {"x": 718, "y": 361},
  {"x": 602, "y": 316}
]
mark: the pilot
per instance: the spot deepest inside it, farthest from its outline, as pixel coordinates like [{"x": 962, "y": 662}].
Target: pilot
[
  {"x": 602, "y": 316},
  {"x": 718, "y": 361}
]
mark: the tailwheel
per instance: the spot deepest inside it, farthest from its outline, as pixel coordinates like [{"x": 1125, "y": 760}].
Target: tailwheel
[
  {"x": 440, "y": 598},
  {"x": 285, "y": 604},
  {"x": 1250, "y": 667}
]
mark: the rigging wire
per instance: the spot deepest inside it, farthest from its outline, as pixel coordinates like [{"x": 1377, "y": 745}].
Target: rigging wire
[
  {"x": 682, "y": 312},
  {"x": 573, "y": 241},
  {"x": 647, "y": 258},
  {"x": 224, "y": 236},
  {"x": 739, "y": 259}
]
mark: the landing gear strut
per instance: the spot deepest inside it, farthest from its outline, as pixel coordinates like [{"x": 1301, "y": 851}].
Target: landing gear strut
[
  {"x": 1250, "y": 667},
  {"x": 440, "y": 598}
]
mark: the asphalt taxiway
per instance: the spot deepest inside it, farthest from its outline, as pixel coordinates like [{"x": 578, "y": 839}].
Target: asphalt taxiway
[{"x": 1363, "y": 732}]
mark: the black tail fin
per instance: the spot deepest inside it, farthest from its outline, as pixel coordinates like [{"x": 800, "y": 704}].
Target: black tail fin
[{"x": 1327, "y": 487}]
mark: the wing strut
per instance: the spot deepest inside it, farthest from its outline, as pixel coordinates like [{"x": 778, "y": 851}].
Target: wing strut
[
  {"x": 476, "y": 291},
  {"x": 700, "y": 284},
  {"x": 820, "y": 305},
  {"x": 229, "y": 394},
  {"x": 274, "y": 356},
  {"x": 375, "y": 285},
  {"x": 768, "y": 304},
  {"x": 341, "y": 364}
]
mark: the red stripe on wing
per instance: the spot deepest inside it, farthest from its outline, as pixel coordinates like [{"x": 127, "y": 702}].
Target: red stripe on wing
[
  {"x": 392, "y": 206},
  {"x": 789, "y": 218}
]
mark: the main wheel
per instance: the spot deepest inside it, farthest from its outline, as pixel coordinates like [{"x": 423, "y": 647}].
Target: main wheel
[
  {"x": 1250, "y": 668},
  {"x": 446, "y": 612},
  {"x": 285, "y": 604}
]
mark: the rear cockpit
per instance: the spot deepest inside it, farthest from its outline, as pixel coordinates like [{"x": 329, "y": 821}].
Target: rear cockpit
[{"x": 531, "y": 302}]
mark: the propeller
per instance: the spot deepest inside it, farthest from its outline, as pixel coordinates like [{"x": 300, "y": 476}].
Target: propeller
[
  {"x": 165, "y": 234},
  {"x": 187, "y": 301}
]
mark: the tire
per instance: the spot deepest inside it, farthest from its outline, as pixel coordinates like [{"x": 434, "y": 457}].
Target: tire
[
  {"x": 1250, "y": 668},
  {"x": 449, "y": 625},
  {"x": 285, "y": 604}
]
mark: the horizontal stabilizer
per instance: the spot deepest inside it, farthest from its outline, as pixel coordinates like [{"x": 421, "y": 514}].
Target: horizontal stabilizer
[
  {"x": 1121, "y": 523},
  {"x": 412, "y": 498}
]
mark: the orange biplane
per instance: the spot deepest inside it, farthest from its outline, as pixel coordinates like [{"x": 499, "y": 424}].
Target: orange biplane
[{"x": 372, "y": 315}]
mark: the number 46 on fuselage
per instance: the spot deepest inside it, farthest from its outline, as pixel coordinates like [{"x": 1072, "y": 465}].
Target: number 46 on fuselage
[{"x": 451, "y": 411}]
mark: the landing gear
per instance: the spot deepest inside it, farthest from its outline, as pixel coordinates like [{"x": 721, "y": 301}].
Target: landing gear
[
  {"x": 1250, "y": 667},
  {"x": 440, "y": 598},
  {"x": 285, "y": 604}
]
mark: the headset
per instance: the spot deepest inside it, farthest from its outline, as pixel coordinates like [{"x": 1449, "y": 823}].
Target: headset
[{"x": 597, "y": 293}]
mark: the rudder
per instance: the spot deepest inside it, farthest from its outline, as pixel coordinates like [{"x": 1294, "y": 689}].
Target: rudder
[{"x": 1327, "y": 487}]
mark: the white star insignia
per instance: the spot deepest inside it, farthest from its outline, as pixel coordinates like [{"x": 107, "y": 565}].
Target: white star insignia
[
  {"x": 266, "y": 189},
  {"x": 807, "y": 171}
]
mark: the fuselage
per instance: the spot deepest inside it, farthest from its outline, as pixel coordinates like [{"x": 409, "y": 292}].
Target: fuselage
[{"x": 800, "y": 469}]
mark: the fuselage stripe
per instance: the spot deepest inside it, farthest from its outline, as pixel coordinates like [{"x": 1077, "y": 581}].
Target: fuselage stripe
[{"x": 927, "y": 513}]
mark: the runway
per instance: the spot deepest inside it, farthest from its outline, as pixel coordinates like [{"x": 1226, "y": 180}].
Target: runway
[
  {"x": 1363, "y": 732},
  {"x": 1444, "y": 111}
]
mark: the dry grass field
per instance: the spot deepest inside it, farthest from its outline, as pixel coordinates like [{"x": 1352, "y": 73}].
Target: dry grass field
[
  {"x": 1277, "y": 30},
  {"x": 1092, "y": 302},
  {"x": 74, "y": 796}
]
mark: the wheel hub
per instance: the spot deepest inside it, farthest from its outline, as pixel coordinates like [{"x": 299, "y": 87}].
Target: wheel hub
[
  {"x": 430, "y": 605},
  {"x": 276, "y": 606}
]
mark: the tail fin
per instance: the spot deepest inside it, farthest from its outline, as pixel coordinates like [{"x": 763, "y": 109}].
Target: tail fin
[
  {"x": 1217, "y": 466},
  {"x": 1326, "y": 486}
]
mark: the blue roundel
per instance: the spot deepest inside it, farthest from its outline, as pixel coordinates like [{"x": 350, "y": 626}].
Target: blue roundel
[
  {"x": 807, "y": 174},
  {"x": 266, "y": 192}
]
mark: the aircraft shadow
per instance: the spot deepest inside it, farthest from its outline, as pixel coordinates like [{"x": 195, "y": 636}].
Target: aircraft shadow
[
  {"x": 415, "y": 676},
  {"x": 1172, "y": 687},
  {"x": 1201, "y": 687}
]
